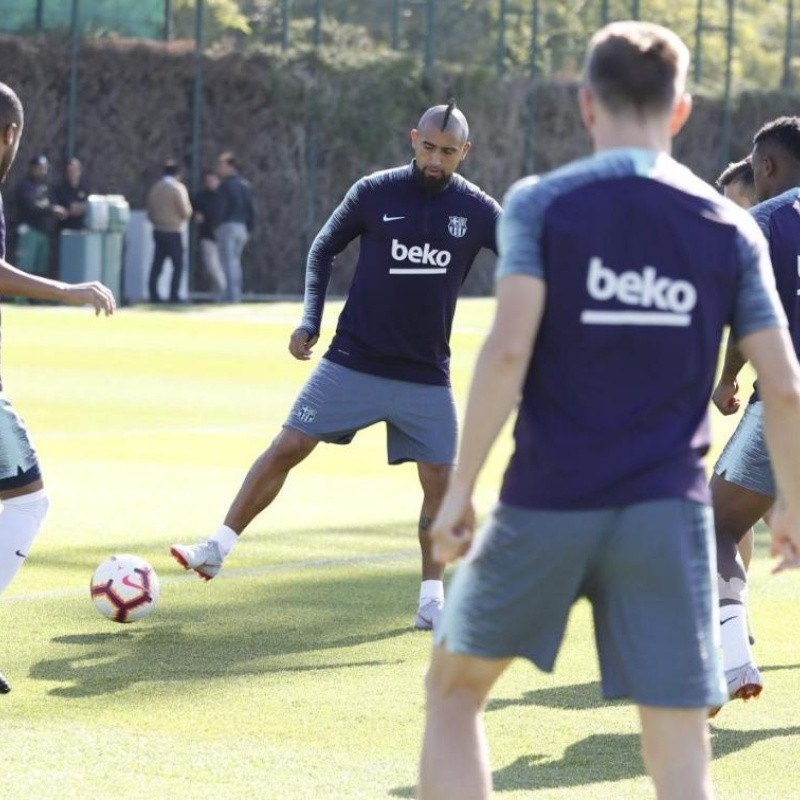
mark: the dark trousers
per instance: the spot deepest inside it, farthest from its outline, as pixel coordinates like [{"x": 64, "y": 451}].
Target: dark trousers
[{"x": 168, "y": 245}]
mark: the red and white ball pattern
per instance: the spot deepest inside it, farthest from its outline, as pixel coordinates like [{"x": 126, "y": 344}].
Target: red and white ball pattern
[{"x": 125, "y": 588}]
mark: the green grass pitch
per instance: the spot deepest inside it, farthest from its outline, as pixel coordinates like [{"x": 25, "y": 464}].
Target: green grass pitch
[{"x": 295, "y": 674}]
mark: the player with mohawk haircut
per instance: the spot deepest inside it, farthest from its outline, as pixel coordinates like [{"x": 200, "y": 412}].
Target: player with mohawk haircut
[{"x": 420, "y": 227}]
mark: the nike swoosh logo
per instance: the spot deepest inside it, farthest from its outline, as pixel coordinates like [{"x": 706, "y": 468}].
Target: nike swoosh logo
[
  {"x": 128, "y": 582},
  {"x": 722, "y": 622},
  {"x": 21, "y": 554},
  {"x": 391, "y": 219}
]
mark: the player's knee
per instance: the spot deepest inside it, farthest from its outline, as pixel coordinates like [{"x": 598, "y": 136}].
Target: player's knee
[
  {"x": 33, "y": 506},
  {"x": 434, "y": 478},
  {"x": 290, "y": 448},
  {"x": 448, "y": 682}
]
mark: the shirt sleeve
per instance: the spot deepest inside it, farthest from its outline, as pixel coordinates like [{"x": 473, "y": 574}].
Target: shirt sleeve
[
  {"x": 757, "y": 305},
  {"x": 496, "y": 212},
  {"x": 519, "y": 231},
  {"x": 344, "y": 225}
]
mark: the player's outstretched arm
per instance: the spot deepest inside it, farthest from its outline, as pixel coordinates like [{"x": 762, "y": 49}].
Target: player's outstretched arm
[
  {"x": 496, "y": 384},
  {"x": 773, "y": 356},
  {"x": 16, "y": 283}
]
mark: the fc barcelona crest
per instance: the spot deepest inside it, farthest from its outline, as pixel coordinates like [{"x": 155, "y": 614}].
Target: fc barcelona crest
[{"x": 457, "y": 226}]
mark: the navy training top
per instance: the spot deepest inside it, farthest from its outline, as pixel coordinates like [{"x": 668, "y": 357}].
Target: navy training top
[
  {"x": 416, "y": 249},
  {"x": 779, "y": 220},
  {"x": 645, "y": 264}
]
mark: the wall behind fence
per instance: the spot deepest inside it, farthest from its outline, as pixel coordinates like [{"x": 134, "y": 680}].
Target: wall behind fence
[{"x": 304, "y": 126}]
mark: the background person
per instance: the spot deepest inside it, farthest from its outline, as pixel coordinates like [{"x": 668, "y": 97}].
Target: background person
[
  {"x": 168, "y": 209},
  {"x": 236, "y": 220},
  {"x": 70, "y": 198},
  {"x": 206, "y": 215},
  {"x": 35, "y": 213}
]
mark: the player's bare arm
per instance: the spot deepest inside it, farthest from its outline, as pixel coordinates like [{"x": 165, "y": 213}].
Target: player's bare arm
[
  {"x": 301, "y": 343},
  {"x": 772, "y": 354},
  {"x": 15, "y": 282},
  {"x": 725, "y": 396},
  {"x": 496, "y": 384}
]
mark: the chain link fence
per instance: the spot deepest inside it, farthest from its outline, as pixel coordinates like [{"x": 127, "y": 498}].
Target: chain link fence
[{"x": 738, "y": 46}]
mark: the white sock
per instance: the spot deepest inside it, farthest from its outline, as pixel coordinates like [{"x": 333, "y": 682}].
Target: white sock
[
  {"x": 225, "y": 538},
  {"x": 431, "y": 590},
  {"x": 20, "y": 520},
  {"x": 735, "y": 639}
]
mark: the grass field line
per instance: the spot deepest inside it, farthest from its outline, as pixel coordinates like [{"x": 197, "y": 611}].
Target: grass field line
[{"x": 303, "y": 565}]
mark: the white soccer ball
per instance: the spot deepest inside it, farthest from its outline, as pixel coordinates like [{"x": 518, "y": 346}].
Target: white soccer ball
[{"x": 125, "y": 588}]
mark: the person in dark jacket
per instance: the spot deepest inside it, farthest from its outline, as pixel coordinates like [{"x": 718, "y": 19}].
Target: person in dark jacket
[
  {"x": 35, "y": 212},
  {"x": 206, "y": 215},
  {"x": 235, "y": 225}
]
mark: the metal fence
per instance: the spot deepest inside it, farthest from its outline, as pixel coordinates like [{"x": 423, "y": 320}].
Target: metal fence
[
  {"x": 544, "y": 37},
  {"x": 736, "y": 44}
]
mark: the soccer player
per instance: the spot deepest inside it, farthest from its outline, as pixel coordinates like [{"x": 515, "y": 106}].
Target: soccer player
[
  {"x": 743, "y": 485},
  {"x": 420, "y": 227},
  {"x": 737, "y": 183},
  {"x": 616, "y": 277},
  {"x": 23, "y": 500}
]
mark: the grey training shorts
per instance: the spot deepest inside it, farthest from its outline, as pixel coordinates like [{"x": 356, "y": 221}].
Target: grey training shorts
[
  {"x": 337, "y": 402},
  {"x": 18, "y": 463},
  {"x": 745, "y": 458},
  {"x": 648, "y": 570}
]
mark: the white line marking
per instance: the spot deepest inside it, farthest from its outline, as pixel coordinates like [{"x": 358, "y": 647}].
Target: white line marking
[
  {"x": 635, "y": 318},
  {"x": 417, "y": 271}
]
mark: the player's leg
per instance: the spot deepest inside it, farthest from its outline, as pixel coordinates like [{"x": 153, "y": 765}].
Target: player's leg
[
  {"x": 653, "y": 594},
  {"x": 742, "y": 491},
  {"x": 422, "y": 427},
  {"x": 334, "y": 403},
  {"x": 676, "y": 752},
  {"x": 455, "y": 756},
  {"x": 746, "y": 546},
  {"x": 260, "y": 487},
  {"x": 736, "y": 510},
  {"x": 23, "y": 501},
  {"x": 510, "y": 596},
  {"x": 433, "y": 479}
]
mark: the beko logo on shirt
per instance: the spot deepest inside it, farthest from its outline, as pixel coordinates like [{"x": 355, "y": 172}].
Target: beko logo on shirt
[
  {"x": 431, "y": 261},
  {"x": 668, "y": 302}
]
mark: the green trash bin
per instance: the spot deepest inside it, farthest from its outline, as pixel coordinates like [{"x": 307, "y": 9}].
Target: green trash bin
[
  {"x": 80, "y": 256},
  {"x": 112, "y": 263},
  {"x": 119, "y": 214}
]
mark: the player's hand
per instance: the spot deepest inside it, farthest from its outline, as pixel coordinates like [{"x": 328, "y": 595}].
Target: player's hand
[
  {"x": 725, "y": 397},
  {"x": 452, "y": 530},
  {"x": 301, "y": 342},
  {"x": 92, "y": 293},
  {"x": 785, "y": 537}
]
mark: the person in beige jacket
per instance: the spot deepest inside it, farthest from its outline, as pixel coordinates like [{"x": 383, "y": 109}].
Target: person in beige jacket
[{"x": 168, "y": 209}]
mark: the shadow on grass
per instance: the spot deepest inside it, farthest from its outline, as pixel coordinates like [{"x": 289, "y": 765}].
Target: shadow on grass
[
  {"x": 242, "y": 628},
  {"x": 578, "y": 697},
  {"x": 602, "y": 758}
]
